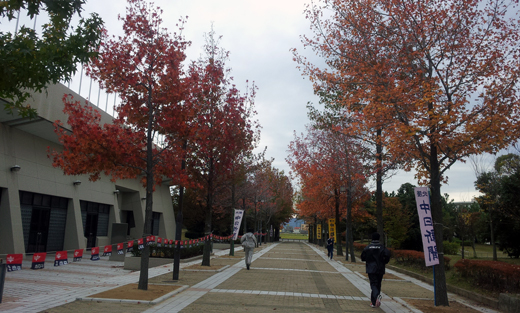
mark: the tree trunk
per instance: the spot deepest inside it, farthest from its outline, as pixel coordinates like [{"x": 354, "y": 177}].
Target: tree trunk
[
  {"x": 462, "y": 250},
  {"x": 473, "y": 246},
  {"x": 233, "y": 206},
  {"x": 207, "y": 228},
  {"x": 379, "y": 187},
  {"x": 493, "y": 244},
  {"x": 178, "y": 235},
  {"x": 179, "y": 221},
  {"x": 441, "y": 294},
  {"x": 244, "y": 218},
  {"x": 349, "y": 222},
  {"x": 145, "y": 256},
  {"x": 338, "y": 241}
]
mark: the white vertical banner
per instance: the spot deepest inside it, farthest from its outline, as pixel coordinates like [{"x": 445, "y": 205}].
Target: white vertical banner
[
  {"x": 236, "y": 225},
  {"x": 422, "y": 198}
]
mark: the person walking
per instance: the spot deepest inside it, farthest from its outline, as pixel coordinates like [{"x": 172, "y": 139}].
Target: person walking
[
  {"x": 248, "y": 241},
  {"x": 376, "y": 256},
  {"x": 330, "y": 246}
]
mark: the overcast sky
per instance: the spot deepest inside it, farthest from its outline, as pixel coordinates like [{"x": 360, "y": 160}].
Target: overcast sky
[{"x": 259, "y": 36}]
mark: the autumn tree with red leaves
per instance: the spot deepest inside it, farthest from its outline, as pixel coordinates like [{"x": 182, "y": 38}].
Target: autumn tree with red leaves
[
  {"x": 223, "y": 125},
  {"x": 145, "y": 68},
  {"x": 443, "y": 75},
  {"x": 329, "y": 165}
]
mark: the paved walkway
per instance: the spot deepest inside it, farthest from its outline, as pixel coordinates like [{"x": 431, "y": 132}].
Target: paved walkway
[{"x": 286, "y": 277}]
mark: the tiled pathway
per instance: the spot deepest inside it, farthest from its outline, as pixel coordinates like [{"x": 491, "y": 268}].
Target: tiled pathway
[
  {"x": 284, "y": 277},
  {"x": 291, "y": 277}
]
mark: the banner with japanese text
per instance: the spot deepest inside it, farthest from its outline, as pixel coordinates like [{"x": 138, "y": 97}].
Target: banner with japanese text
[
  {"x": 318, "y": 231},
  {"x": 239, "y": 214},
  {"x": 422, "y": 198},
  {"x": 332, "y": 229}
]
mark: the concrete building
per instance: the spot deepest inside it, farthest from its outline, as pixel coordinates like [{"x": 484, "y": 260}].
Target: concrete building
[{"x": 41, "y": 209}]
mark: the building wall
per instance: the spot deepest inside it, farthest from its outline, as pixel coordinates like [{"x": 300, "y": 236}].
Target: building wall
[{"x": 25, "y": 143}]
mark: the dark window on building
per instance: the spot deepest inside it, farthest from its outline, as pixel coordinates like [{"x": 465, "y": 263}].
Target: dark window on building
[
  {"x": 156, "y": 219},
  {"x": 44, "y": 218},
  {"x": 130, "y": 220},
  {"x": 95, "y": 218}
]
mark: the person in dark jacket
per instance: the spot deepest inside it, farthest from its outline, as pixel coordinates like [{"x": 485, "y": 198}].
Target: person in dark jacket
[
  {"x": 376, "y": 256},
  {"x": 330, "y": 247}
]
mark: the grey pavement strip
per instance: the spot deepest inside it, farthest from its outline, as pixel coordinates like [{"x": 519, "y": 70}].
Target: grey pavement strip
[
  {"x": 291, "y": 294},
  {"x": 289, "y": 259},
  {"x": 197, "y": 270},
  {"x": 189, "y": 296},
  {"x": 292, "y": 270}
]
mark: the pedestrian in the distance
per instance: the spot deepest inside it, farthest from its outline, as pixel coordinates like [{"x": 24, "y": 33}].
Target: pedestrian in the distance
[
  {"x": 248, "y": 241},
  {"x": 376, "y": 256},
  {"x": 330, "y": 247}
]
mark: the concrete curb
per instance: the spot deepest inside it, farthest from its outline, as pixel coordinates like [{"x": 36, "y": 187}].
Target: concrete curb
[{"x": 156, "y": 301}]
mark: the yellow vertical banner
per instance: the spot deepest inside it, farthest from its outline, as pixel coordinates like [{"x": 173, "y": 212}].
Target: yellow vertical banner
[
  {"x": 318, "y": 231},
  {"x": 332, "y": 229}
]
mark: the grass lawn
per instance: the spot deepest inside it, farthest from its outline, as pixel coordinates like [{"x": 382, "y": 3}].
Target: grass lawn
[{"x": 293, "y": 236}]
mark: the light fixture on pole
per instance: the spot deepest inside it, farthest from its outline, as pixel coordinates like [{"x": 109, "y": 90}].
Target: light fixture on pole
[
  {"x": 15, "y": 168},
  {"x": 76, "y": 182}
]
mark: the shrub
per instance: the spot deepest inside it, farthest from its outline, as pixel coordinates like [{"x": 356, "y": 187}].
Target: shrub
[
  {"x": 359, "y": 246},
  {"x": 414, "y": 258},
  {"x": 494, "y": 275},
  {"x": 451, "y": 247}
]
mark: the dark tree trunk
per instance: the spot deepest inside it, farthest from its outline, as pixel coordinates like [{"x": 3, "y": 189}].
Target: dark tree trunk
[
  {"x": 207, "y": 228},
  {"x": 145, "y": 256},
  {"x": 337, "y": 217},
  {"x": 379, "y": 187},
  {"x": 179, "y": 221},
  {"x": 233, "y": 206},
  {"x": 441, "y": 294},
  {"x": 349, "y": 222},
  {"x": 493, "y": 244}
]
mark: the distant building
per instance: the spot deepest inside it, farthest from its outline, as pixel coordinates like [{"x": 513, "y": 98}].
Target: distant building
[{"x": 293, "y": 224}]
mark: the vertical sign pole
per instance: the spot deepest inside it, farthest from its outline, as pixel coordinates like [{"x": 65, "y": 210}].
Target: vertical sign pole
[{"x": 434, "y": 288}]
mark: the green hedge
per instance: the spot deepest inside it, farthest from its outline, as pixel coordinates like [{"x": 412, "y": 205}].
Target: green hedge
[{"x": 451, "y": 247}]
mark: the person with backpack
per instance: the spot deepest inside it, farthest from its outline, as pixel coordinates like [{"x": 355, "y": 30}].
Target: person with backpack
[
  {"x": 248, "y": 241},
  {"x": 376, "y": 256}
]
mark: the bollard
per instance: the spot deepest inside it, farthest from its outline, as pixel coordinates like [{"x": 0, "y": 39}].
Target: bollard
[{"x": 3, "y": 269}]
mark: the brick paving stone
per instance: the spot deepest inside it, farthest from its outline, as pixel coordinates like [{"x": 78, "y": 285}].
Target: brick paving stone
[{"x": 286, "y": 277}]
